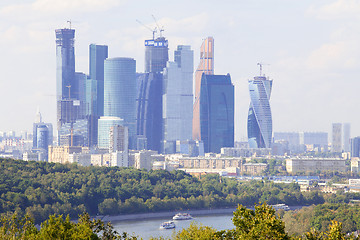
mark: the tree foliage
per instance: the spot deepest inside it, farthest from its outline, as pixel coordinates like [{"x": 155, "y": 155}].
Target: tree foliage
[{"x": 40, "y": 189}]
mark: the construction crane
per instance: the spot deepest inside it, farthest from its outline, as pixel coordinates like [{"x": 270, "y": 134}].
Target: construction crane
[
  {"x": 160, "y": 29},
  {"x": 152, "y": 30},
  {"x": 261, "y": 65}
]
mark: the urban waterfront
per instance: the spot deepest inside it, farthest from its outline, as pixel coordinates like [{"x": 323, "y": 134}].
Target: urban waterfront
[{"x": 147, "y": 228}]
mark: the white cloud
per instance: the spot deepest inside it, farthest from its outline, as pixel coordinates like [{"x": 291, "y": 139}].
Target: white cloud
[
  {"x": 51, "y": 7},
  {"x": 337, "y": 9},
  {"x": 328, "y": 55}
]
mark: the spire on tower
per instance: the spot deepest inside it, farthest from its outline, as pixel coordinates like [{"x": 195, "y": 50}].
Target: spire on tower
[{"x": 38, "y": 118}]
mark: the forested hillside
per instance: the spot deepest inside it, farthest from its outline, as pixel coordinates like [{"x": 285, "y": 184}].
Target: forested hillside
[{"x": 41, "y": 189}]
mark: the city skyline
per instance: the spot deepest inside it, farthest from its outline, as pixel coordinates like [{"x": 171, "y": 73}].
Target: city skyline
[{"x": 311, "y": 47}]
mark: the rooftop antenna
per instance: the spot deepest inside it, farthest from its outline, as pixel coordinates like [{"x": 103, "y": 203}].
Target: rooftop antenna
[
  {"x": 69, "y": 21},
  {"x": 160, "y": 29},
  {"x": 261, "y": 65},
  {"x": 152, "y": 30}
]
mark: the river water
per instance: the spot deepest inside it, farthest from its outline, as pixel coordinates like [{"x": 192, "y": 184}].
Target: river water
[{"x": 147, "y": 228}]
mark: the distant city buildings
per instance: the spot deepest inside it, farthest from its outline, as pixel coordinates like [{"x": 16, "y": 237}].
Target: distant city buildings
[
  {"x": 340, "y": 137},
  {"x": 355, "y": 147},
  {"x": 104, "y": 128},
  {"x": 295, "y": 165},
  {"x": 42, "y": 138},
  {"x": 299, "y": 142},
  {"x": 259, "y": 126}
]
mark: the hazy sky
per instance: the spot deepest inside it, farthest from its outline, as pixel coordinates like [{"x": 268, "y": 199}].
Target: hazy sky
[{"x": 312, "y": 46}]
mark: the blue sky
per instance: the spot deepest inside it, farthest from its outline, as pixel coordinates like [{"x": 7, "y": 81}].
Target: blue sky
[{"x": 312, "y": 48}]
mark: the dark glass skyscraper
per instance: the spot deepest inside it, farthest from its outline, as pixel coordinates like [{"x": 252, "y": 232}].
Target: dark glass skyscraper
[
  {"x": 95, "y": 89},
  {"x": 259, "y": 118},
  {"x": 97, "y": 55},
  {"x": 216, "y": 112},
  {"x": 149, "y": 108},
  {"x": 150, "y": 91}
]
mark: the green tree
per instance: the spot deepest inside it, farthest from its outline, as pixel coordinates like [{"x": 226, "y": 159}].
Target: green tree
[
  {"x": 196, "y": 232},
  {"x": 261, "y": 223}
]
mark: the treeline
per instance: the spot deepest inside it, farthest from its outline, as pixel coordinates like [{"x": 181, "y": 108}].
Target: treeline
[
  {"x": 40, "y": 189},
  {"x": 320, "y": 216}
]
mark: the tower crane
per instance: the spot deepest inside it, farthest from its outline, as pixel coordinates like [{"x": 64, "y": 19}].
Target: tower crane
[
  {"x": 160, "y": 29},
  {"x": 152, "y": 30}
]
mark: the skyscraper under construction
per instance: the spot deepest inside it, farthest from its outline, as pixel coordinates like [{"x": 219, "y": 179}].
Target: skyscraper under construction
[
  {"x": 69, "y": 93},
  {"x": 150, "y": 91}
]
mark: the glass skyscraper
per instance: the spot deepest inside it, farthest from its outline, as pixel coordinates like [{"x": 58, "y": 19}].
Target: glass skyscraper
[
  {"x": 95, "y": 89},
  {"x": 206, "y": 66},
  {"x": 149, "y": 108},
  {"x": 65, "y": 63},
  {"x": 149, "y": 93},
  {"x": 259, "y": 125},
  {"x": 216, "y": 112},
  {"x": 120, "y": 91},
  {"x": 178, "y": 98},
  {"x": 97, "y": 56}
]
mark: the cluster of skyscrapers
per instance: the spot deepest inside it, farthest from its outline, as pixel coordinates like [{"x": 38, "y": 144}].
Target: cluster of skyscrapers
[
  {"x": 166, "y": 109},
  {"x": 157, "y": 108}
]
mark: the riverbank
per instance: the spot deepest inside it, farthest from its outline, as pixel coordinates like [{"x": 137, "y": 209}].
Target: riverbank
[{"x": 154, "y": 215}]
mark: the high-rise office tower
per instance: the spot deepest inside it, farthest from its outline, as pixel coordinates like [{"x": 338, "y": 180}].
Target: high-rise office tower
[
  {"x": 65, "y": 64},
  {"x": 355, "y": 147},
  {"x": 206, "y": 66},
  {"x": 149, "y": 109},
  {"x": 336, "y": 144},
  {"x": 346, "y": 137},
  {"x": 95, "y": 89},
  {"x": 178, "y": 99},
  {"x": 259, "y": 124},
  {"x": 340, "y": 137},
  {"x": 120, "y": 92},
  {"x": 149, "y": 93},
  {"x": 91, "y": 105},
  {"x": 216, "y": 112},
  {"x": 97, "y": 56}
]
